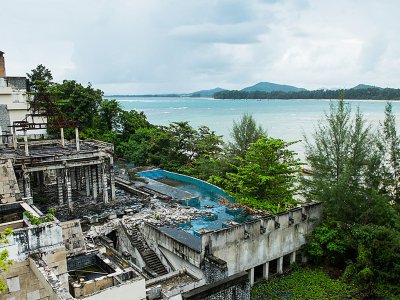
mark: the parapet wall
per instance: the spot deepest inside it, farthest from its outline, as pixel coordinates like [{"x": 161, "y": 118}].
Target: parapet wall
[
  {"x": 158, "y": 238},
  {"x": 248, "y": 245},
  {"x": 37, "y": 239}
]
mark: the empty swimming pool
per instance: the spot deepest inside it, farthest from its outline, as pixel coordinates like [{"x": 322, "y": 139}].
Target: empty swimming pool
[{"x": 209, "y": 197}]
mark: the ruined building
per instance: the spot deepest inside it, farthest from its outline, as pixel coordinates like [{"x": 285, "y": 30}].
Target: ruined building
[{"x": 113, "y": 237}]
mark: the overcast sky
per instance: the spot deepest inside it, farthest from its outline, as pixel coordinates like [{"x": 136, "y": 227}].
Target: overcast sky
[{"x": 163, "y": 46}]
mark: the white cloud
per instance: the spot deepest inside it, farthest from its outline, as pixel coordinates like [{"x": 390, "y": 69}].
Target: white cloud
[{"x": 159, "y": 46}]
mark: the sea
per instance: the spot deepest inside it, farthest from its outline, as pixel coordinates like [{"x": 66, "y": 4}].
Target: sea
[{"x": 290, "y": 120}]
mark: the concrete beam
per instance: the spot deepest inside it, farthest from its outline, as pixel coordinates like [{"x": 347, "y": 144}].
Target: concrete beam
[{"x": 63, "y": 166}]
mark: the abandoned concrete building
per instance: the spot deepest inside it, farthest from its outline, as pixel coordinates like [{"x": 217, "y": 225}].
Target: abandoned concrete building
[{"x": 113, "y": 236}]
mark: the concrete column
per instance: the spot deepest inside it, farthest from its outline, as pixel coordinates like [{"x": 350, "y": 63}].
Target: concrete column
[
  {"x": 266, "y": 270},
  {"x": 15, "y": 138},
  {"x": 27, "y": 184},
  {"x": 26, "y": 144},
  {"x": 73, "y": 179},
  {"x": 78, "y": 177},
  {"x": 94, "y": 183},
  {"x": 293, "y": 257},
  {"x": 62, "y": 137},
  {"x": 251, "y": 276},
  {"x": 105, "y": 185},
  {"x": 60, "y": 187},
  {"x": 99, "y": 178},
  {"x": 67, "y": 180},
  {"x": 87, "y": 180},
  {"x": 112, "y": 178},
  {"x": 279, "y": 265},
  {"x": 303, "y": 258},
  {"x": 78, "y": 148}
]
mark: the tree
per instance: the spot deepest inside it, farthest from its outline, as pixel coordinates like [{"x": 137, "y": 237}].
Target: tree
[
  {"x": 77, "y": 102},
  {"x": 340, "y": 156},
  {"x": 265, "y": 177},
  {"x": 40, "y": 78},
  {"x": 244, "y": 132},
  {"x": 4, "y": 261},
  {"x": 389, "y": 146}
]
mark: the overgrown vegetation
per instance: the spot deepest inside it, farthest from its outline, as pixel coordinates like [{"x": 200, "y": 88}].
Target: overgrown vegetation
[
  {"x": 304, "y": 284},
  {"x": 39, "y": 220},
  {"x": 5, "y": 263},
  {"x": 356, "y": 176}
]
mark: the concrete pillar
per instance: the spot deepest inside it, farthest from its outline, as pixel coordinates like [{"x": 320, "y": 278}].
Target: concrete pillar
[
  {"x": 251, "y": 276},
  {"x": 73, "y": 179},
  {"x": 60, "y": 187},
  {"x": 67, "y": 180},
  {"x": 266, "y": 270},
  {"x": 105, "y": 185},
  {"x": 62, "y": 137},
  {"x": 78, "y": 148},
  {"x": 26, "y": 144},
  {"x": 99, "y": 178},
  {"x": 279, "y": 265},
  {"x": 27, "y": 184},
  {"x": 293, "y": 257},
  {"x": 78, "y": 178},
  {"x": 94, "y": 183},
  {"x": 87, "y": 180},
  {"x": 303, "y": 258},
  {"x": 112, "y": 178},
  {"x": 15, "y": 138}
]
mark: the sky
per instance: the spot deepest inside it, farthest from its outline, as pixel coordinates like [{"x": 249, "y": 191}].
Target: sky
[{"x": 179, "y": 46}]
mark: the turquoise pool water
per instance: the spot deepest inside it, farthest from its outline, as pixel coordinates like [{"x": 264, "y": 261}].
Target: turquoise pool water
[{"x": 209, "y": 200}]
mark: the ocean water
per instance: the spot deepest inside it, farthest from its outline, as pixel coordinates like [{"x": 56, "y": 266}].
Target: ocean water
[{"x": 286, "y": 119}]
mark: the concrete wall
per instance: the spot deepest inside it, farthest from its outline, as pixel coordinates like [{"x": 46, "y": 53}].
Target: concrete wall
[
  {"x": 231, "y": 288},
  {"x": 73, "y": 237},
  {"x": 22, "y": 283},
  {"x": 9, "y": 190},
  {"x": 43, "y": 238},
  {"x": 134, "y": 290},
  {"x": 249, "y": 245},
  {"x": 155, "y": 237}
]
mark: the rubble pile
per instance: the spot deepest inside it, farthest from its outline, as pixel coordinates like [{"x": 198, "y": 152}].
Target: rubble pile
[{"x": 162, "y": 216}]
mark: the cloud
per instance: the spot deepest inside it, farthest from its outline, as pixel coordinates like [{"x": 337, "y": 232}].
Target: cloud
[{"x": 159, "y": 46}]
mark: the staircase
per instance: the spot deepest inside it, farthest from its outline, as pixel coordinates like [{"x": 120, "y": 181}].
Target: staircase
[{"x": 149, "y": 256}]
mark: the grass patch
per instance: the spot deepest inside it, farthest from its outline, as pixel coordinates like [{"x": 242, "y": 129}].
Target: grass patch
[{"x": 304, "y": 284}]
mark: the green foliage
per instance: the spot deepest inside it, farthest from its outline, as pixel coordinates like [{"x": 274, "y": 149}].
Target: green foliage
[
  {"x": 243, "y": 134},
  {"x": 40, "y": 78},
  {"x": 389, "y": 150},
  {"x": 39, "y": 220},
  {"x": 265, "y": 178},
  {"x": 376, "y": 267},
  {"x": 327, "y": 244},
  {"x": 340, "y": 157},
  {"x": 77, "y": 102},
  {"x": 304, "y": 284},
  {"x": 5, "y": 263}
]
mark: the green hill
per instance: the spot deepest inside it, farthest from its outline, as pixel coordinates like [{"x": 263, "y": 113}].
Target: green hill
[{"x": 271, "y": 87}]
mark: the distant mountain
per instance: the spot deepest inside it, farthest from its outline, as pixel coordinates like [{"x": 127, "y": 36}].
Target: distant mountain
[
  {"x": 365, "y": 86},
  {"x": 271, "y": 87},
  {"x": 206, "y": 93}
]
